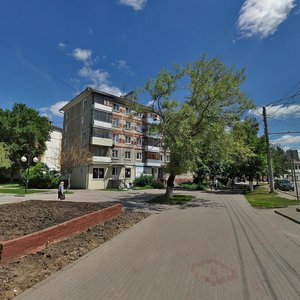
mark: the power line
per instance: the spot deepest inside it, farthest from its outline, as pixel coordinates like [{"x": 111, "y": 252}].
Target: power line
[{"x": 13, "y": 50}]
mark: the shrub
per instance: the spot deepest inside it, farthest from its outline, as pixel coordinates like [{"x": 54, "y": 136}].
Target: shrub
[
  {"x": 143, "y": 180},
  {"x": 41, "y": 177}
]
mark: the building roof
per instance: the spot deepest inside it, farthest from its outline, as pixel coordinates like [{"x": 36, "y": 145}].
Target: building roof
[{"x": 128, "y": 98}]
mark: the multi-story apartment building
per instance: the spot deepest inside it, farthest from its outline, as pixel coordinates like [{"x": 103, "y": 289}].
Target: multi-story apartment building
[
  {"x": 52, "y": 155},
  {"x": 117, "y": 136}
]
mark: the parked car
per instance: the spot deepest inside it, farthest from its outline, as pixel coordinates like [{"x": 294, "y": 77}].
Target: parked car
[{"x": 284, "y": 185}]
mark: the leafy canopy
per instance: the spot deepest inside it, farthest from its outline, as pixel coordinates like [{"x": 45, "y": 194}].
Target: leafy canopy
[{"x": 196, "y": 104}]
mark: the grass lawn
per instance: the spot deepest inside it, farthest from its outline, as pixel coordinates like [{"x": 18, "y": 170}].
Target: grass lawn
[
  {"x": 261, "y": 198},
  {"x": 177, "y": 199},
  {"x": 19, "y": 191}
]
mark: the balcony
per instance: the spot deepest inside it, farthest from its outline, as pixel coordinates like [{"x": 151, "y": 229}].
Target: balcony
[
  {"x": 101, "y": 141},
  {"x": 102, "y": 124},
  {"x": 102, "y": 107},
  {"x": 152, "y": 148},
  {"x": 153, "y": 163},
  {"x": 101, "y": 159}
]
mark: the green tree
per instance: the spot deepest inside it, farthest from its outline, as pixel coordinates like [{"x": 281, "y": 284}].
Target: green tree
[
  {"x": 280, "y": 161},
  {"x": 210, "y": 101},
  {"x": 5, "y": 162},
  {"x": 25, "y": 131},
  {"x": 252, "y": 163}
]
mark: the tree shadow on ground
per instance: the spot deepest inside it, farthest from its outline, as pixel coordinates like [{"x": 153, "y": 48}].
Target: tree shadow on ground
[{"x": 199, "y": 202}]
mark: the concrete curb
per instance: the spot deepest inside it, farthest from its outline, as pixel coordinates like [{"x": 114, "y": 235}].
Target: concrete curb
[
  {"x": 288, "y": 217},
  {"x": 10, "y": 250}
]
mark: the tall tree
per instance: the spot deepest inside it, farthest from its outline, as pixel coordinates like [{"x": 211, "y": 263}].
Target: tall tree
[
  {"x": 74, "y": 155},
  {"x": 5, "y": 162},
  {"x": 25, "y": 131},
  {"x": 210, "y": 100}
]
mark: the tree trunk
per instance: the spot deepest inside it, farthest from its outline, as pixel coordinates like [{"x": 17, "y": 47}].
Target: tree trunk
[{"x": 170, "y": 186}]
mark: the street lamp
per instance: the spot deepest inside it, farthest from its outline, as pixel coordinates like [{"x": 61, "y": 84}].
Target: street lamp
[{"x": 28, "y": 159}]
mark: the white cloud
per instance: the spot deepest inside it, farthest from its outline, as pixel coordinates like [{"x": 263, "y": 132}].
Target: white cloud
[
  {"x": 121, "y": 64},
  {"x": 135, "y": 4},
  {"x": 287, "y": 140},
  {"x": 100, "y": 80},
  {"x": 53, "y": 110},
  {"x": 82, "y": 54},
  {"x": 262, "y": 17},
  {"x": 56, "y": 107},
  {"x": 280, "y": 111},
  {"x": 62, "y": 45}
]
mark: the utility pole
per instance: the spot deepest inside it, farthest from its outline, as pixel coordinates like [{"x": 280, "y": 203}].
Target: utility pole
[{"x": 269, "y": 155}]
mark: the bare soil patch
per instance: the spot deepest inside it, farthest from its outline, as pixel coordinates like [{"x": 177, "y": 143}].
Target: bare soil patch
[
  {"x": 18, "y": 219},
  {"x": 27, "y": 271}
]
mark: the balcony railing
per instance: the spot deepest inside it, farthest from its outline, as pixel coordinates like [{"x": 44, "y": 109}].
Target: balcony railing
[
  {"x": 103, "y": 107},
  {"x": 101, "y": 141},
  {"x": 102, "y": 124},
  {"x": 101, "y": 159}
]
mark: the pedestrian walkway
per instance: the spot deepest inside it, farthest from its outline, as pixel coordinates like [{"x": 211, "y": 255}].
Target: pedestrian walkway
[{"x": 217, "y": 247}]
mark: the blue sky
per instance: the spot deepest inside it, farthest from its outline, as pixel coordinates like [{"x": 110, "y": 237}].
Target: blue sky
[{"x": 51, "y": 50}]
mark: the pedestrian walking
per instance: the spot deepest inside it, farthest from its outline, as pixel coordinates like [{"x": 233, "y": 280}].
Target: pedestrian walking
[{"x": 61, "y": 191}]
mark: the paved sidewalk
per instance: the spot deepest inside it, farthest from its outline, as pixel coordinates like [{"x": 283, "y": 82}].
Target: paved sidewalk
[{"x": 217, "y": 247}]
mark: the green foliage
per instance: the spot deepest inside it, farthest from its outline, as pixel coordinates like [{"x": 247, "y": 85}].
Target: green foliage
[
  {"x": 261, "y": 198},
  {"x": 209, "y": 102},
  {"x": 147, "y": 181},
  {"x": 25, "y": 131},
  {"x": 143, "y": 180},
  {"x": 41, "y": 177},
  {"x": 5, "y": 162},
  {"x": 280, "y": 161}
]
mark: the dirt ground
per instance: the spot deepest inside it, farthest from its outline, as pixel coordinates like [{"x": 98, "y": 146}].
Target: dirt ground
[{"x": 22, "y": 218}]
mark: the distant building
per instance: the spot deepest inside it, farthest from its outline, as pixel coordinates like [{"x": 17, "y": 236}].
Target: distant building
[
  {"x": 292, "y": 154},
  {"x": 52, "y": 155}
]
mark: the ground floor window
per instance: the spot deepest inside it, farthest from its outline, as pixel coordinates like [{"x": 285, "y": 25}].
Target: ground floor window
[
  {"x": 98, "y": 173},
  {"x": 127, "y": 173}
]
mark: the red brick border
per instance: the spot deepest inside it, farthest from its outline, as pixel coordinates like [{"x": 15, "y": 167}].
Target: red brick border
[{"x": 11, "y": 250}]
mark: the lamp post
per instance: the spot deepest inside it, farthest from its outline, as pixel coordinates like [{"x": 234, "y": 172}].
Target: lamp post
[{"x": 28, "y": 158}]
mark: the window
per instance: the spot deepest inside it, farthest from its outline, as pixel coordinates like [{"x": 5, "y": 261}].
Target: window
[
  {"x": 115, "y": 154},
  {"x": 116, "y": 138},
  {"x": 128, "y": 125},
  {"x": 161, "y": 158},
  {"x": 82, "y": 120},
  {"x": 139, "y": 128},
  {"x": 127, "y": 140},
  {"x": 100, "y": 151},
  {"x": 127, "y": 154},
  {"x": 168, "y": 158},
  {"x": 139, "y": 141},
  {"x": 102, "y": 133},
  {"x": 116, "y": 107},
  {"x": 114, "y": 171},
  {"x": 115, "y": 122},
  {"x": 98, "y": 173},
  {"x": 139, "y": 155},
  {"x": 139, "y": 114},
  {"x": 128, "y": 110},
  {"x": 102, "y": 116},
  {"x": 127, "y": 173}
]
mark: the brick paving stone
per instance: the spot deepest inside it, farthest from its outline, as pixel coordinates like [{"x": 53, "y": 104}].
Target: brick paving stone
[{"x": 217, "y": 248}]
